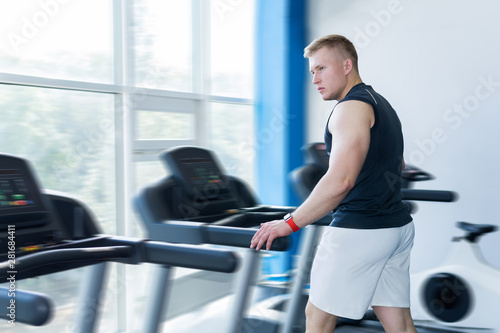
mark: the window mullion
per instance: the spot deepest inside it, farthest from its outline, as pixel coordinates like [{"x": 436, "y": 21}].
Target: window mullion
[
  {"x": 201, "y": 66},
  {"x": 123, "y": 143}
]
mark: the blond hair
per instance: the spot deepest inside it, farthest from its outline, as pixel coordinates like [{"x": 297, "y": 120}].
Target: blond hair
[{"x": 334, "y": 42}]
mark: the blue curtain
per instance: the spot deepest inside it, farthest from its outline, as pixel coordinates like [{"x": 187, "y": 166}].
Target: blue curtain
[{"x": 279, "y": 97}]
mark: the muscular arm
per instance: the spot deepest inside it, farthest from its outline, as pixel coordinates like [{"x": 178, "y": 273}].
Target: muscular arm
[{"x": 350, "y": 127}]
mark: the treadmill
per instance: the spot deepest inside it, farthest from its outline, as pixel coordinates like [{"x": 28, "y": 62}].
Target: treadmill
[
  {"x": 44, "y": 232},
  {"x": 198, "y": 203}
]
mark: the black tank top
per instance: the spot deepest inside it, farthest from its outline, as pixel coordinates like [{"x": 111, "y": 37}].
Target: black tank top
[{"x": 375, "y": 200}]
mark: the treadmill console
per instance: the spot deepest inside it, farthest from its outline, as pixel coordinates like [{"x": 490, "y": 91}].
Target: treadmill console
[
  {"x": 24, "y": 211},
  {"x": 197, "y": 170}
]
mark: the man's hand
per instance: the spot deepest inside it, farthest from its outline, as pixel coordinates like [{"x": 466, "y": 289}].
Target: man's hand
[{"x": 268, "y": 232}]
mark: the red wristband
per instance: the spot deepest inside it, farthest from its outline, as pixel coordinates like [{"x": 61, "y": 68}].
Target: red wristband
[{"x": 289, "y": 220}]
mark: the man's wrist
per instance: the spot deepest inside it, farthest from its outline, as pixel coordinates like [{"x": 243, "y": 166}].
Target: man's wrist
[{"x": 289, "y": 220}]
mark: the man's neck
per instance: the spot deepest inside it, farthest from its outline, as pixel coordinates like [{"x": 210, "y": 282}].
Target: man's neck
[{"x": 351, "y": 82}]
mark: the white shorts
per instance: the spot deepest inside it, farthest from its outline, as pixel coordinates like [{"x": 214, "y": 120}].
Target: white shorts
[{"x": 356, "y": 268}]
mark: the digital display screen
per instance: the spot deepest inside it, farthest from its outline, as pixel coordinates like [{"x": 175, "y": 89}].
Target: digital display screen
[
  {"x": 201, "y": 172},
  {"x": 23, "y": 207},
  {"x": 14, "y": 191}
]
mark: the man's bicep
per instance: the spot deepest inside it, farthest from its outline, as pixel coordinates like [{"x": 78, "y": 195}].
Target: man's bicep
[{"x": 350, "y": 127}]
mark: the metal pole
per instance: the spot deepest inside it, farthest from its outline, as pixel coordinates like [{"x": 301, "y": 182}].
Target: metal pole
[
  {"x": 91, "y": 298},
  {"x": 244, "y": 282},
  {"x": 157, "y": 300},
  {"x": 307, "y": 251}
]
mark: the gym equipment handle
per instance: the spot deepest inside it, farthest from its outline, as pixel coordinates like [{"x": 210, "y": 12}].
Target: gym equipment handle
[
  {"x": 428, "y": 195},
  {"x": 40, "y": 259},
  {"x": 190, "y": 257},
  {"x": 28, "y": 307},
  {"x": 152, "y": 252},
  {"x": 240, "y": 237}
]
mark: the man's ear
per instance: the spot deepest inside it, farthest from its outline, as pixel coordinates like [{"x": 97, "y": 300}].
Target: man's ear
[{"x": 347, "y": 66}]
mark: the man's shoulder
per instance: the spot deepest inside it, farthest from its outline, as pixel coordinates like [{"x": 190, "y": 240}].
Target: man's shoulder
[
  {"x": 356, "y": 110},
  {"x": 363, "y": 92}
]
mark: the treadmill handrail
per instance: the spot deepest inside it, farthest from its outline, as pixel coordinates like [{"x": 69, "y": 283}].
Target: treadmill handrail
[
  {"x": 428, "y": 195},
  {"x": 190, "y": 256},
  {"x": 239, "y": 237},
  {"x": 36, "y": 260},
  {"x": 30, "y": 307},
  {"x": 140, "y": 251}
]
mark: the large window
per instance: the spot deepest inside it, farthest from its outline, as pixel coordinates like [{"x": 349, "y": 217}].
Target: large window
[
  {"x": 231, "y": 130},
  {"x": 69, "y": 137},
  {"x": 162, "y": 33},
  {"x": 91, "y": 91},
  {"x": 202, "y": 52},
  {"x": 231, "y": 54},
  {"x": 58, "y": 39}
]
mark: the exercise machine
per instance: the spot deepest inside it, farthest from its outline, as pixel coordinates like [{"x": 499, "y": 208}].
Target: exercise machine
[
  {"x": 464, "y": 291},
  {"x": 198, "y": 203},
  {"x": 45, "y": 232}
]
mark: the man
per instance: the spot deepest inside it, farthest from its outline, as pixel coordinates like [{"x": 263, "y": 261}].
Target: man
[{"x": 363, "y": 257}]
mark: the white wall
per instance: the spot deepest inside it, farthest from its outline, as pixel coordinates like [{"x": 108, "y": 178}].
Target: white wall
[{"x": 432, "y": 60}]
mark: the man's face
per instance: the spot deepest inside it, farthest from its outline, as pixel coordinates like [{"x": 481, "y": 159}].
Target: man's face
[{"x": 327, "y": 68}]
